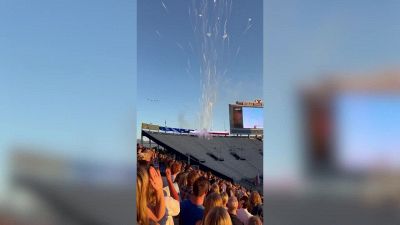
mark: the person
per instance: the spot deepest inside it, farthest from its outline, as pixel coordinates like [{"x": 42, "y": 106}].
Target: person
[
  {"x": 182, "y": 180},
  {"x": 242, "y": 213},
  {"x": 218, "y": 216},
  {"x": 225, "y": 197},
  {"x": 214, "y": 188},
  {"x": 232, "y": 210},
  {"x": 192, "y": 209},
  {"x": 156, "y": 204},
  {"x": 255, "y": 204},
  {"x": 174, "y": 171},
  {"x": 212, "y": 200},
  {"x": 187, "y": 190},
  {"x": 222, "y": 186},
  {"x": 255, "y": 220},
  {"x": 171, "y": 202},
  {"x": 142, "y": 185}
]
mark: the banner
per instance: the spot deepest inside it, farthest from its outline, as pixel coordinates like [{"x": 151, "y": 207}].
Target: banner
[
  {"x": 146, "y": 126},
  {"x": 175, "y": 130}
]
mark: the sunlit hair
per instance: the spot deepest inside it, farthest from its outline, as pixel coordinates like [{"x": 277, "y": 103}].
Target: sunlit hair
[
  {"x": 255, "y": 199},
  {"x": 254, "y": 220},
  {"x": 151, "y": 195},
  {"x": 218, "y": 216},
  {"x": 225, "y": 198},
  {"x": 212, "y": 200},
  {"x": 142, "y": 185},
  {"x": 214, "y": 188},
  {"x": 182, "y": 179},
  {"x": 232, "y": 203}
]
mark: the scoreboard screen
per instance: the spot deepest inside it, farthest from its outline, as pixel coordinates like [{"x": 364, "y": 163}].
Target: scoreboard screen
[{"x": 246, "y": 120}]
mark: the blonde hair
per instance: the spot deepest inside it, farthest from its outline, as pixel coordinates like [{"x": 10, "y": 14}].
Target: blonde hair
[
  {"x": 142, "y": 185},
  {"x": 182, "y": 180},
  {"x": 218, "y": 216},
  {"x": 225, "y": 197},
  {"x": 215, "y": 188},
  {"x": 255, "y": 199},
  {"x": 212, "y": 200}
]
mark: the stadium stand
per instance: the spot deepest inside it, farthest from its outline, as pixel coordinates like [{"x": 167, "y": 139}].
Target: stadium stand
[{"x": 238, "y": 158}]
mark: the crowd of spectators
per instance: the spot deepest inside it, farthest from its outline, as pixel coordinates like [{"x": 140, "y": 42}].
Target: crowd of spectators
[{"x": 170, "y": 191}]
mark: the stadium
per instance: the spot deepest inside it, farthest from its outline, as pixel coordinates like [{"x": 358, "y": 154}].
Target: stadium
[
  {"x": 235, "y": 156},
  {"x": 231, "y": 162}
]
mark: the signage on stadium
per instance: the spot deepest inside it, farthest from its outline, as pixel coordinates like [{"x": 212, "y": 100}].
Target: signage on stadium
[
  {"x": 257, "y": 102},
  {"x": 147, "y": 126},
  {"x": 175, "y": 130}
]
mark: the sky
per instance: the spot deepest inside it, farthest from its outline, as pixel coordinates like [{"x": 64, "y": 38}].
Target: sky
[
  {"x": 252, "y": 117},
  {"x": 367, "y": 131},
  {"x": 167, "y": 92},
  {"x": 307, "y": 41},
  {"x": 68, "y": 78}
]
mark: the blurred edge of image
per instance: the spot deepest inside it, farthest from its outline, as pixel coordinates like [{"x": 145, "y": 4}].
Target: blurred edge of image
[
  {"x": 348, "y": 160},
  {"x": 67, "y": 112}
]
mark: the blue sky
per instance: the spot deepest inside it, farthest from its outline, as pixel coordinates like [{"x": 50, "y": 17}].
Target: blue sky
[
  {"x": 163, "y": 53},
  {"x": 368, "y": 130},
  {"x": 68, "y": 77},
  {"x": 308, "y": 40},
  {"x": 252, "y": 117}
]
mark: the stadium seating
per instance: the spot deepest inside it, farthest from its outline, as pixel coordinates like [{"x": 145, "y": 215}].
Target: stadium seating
[{"x": 236, "y": 157}]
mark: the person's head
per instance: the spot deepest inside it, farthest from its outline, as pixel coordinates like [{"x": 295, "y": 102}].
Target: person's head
[
  {"x": 214, "y": 188},
  {"x": 254, "y": 220},
  {"x": 147, "y": 155},
  {"x": 232, "y": 204},
  {"x": 229, "y": 191},
  {"x": 191, "y": 178},
  {"x": 142, "y": 185},
  {"x": 212, "y": 201},
  {"x": 244, "y": 201},
  {"x": 225, "y": 197},
  {"x": 176, "y": 168},
  {"x": 255, "y": 198},
  {"x": 200, "y": 187},
  {"x": 182, "y": 179},
  {"x": 218, "y": 216}
]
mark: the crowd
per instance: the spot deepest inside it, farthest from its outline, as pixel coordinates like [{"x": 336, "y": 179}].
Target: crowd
[{"x": 169, "y": 191}]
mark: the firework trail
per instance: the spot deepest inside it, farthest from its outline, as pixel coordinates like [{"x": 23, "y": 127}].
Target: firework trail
[
  {"x": 209, "y": 22},
  {"x": 164, "y": 6},
  {"x": 248, "y": 26}
]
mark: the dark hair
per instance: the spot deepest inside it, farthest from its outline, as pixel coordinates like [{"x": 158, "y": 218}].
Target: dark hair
[
  {"x": 192, "y": 177},
  {"x": 245, "y": 201},
  {"x": 200, "y": 186}
]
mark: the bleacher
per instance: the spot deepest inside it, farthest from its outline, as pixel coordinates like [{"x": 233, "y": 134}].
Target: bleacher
[{"x": 238, "y": 158}]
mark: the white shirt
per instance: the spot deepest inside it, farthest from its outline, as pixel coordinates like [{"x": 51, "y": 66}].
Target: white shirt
[
  {"x": 167, "y": 192},
  {"x": 173, "y": 209},
  {"x": 243, "y": 215}
]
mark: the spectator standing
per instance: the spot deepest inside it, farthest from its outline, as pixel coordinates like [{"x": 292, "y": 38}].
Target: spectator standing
[
  {"x": 192, "y": 209},
  {"x": 232, "y": 210}
]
